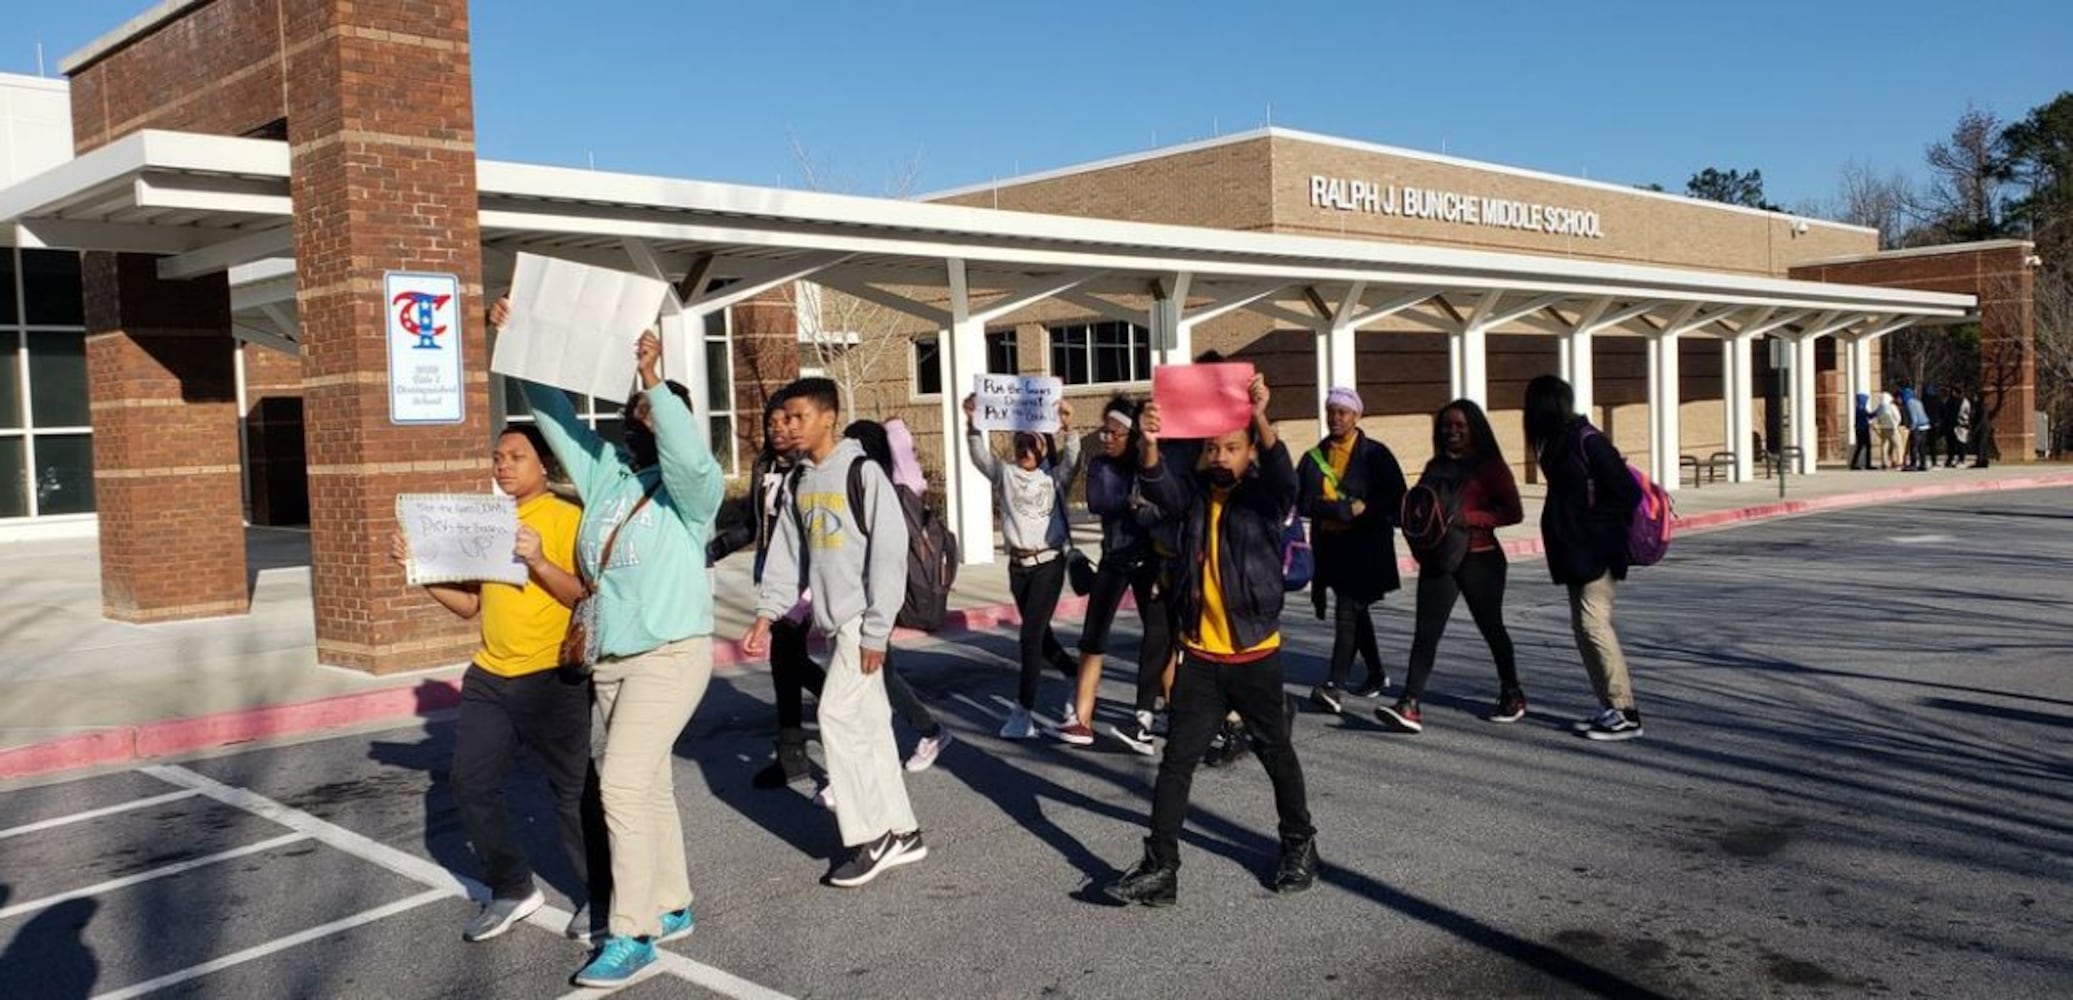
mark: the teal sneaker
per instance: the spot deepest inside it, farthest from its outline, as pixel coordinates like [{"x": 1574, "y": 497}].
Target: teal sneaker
[
  {"x": 617, "y": 962},
  {"x": 677, "y": 924}
]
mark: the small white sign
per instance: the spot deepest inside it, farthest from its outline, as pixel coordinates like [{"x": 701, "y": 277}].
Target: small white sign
[
  {"x": 573, "y": 326},
  {"x": 460, "y": 537},
  {"x": 1017, "y": 402},
  {"x": 424, "y": 331}
]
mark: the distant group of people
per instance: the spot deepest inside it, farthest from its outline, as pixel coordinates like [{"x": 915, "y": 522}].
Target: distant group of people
[
  {"x": 1198, "y": 532},
  {"x": 1902, "y": 430}
]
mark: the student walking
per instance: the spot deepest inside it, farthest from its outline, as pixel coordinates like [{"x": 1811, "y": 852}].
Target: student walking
[
  {"x": 1352, "y": 490},
  {"x": 1917, "y": 431},
  {"x": 1583, "y": 525},
  {"x": 1030, "y": 495},
  {"x": 648, "y": 513},
  {"x": 1860, "y": 451},
  {"x": 1468, "y": 467},
  {"x": 1230, "y": 601},
  {"x": 513, "y": 696},
  {"x": 1885, "y": 422},
  {"x": 845, "y": 539},
  {"x": 1128, "y": 564},
  {"x": 1956, "y": 421}
]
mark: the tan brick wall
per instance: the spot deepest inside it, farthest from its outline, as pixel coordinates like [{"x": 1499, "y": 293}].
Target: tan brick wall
[{"x": 1222, "y": 187}]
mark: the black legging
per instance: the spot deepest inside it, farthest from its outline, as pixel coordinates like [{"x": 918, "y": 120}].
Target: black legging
[
  {"x": 793, "y": 673},
  {"x": 1036, "y": 590},
  {"x": 1353, "y": 630},
  {"x": 1157, "y": 645},
  {"x": 1479, "y": 580}
]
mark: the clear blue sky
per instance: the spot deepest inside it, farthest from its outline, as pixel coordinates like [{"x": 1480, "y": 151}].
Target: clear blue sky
[{"x": 1629, "y": 92}]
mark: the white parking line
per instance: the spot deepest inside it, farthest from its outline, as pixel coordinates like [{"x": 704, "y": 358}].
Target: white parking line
[
  {"x": 155, "y": 873},
  {"x": 279, "y": 944},
  {"x": 550, "y": 918},
  {"x": 81, "y": 817}
]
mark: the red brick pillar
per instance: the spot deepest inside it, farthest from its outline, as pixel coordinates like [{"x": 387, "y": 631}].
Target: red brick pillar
[
  {"x": 166, "y": 474},
  {"x": 765, "y": 333},
  {"x": 381, "y": 135}
]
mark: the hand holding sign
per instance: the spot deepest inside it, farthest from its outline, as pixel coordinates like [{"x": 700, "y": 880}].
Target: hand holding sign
[
  {"x": 456, "y": 538},
  {"x": 1015, "y": 403},
  {"x": 1202, "y": 401}
]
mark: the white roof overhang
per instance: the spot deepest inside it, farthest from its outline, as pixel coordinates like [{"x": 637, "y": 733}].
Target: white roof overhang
[{"x": 212, "y": 204}]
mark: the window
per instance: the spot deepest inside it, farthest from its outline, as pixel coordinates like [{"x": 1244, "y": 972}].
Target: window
[
  {"x": 928, "y": 368},
  {"x": 46, "y": 432},
  {"x": 1003, "y": 352},
  {"x": 1101, "y": 353}
]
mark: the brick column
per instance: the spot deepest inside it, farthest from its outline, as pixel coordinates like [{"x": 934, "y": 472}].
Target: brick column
[
  {"x": 381, "y": 136},
  {"x": 166, "y": 475},
  {"x": 765, "y": 331}
]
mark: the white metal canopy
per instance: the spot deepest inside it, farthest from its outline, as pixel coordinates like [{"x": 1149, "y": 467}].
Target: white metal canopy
[{"x": 212, "y": 204}]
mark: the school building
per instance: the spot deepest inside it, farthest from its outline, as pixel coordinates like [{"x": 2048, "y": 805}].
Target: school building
[{"x": 237, "y": 186}]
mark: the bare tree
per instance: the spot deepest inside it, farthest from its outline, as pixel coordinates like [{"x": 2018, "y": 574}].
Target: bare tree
[
  {"x": 1886, "y": 202},
  {"x": 2054, "y": 351},
  {"x": 1963, "y": 199},
  {"x": 860, "y": 344}
]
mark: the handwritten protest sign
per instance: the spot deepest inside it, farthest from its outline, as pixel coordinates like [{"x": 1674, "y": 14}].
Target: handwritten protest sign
[
  {"x": 573, "y": 326},
  {"x": 1200, "y": 401},
  {"x": 1017, "y": 402},
  {"x": 458, "y": 537}
]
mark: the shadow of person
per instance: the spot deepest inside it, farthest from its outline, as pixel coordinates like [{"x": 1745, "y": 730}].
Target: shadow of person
[
  {"x": 728, "y": 739},
  {"x": 48, "y": 957}
]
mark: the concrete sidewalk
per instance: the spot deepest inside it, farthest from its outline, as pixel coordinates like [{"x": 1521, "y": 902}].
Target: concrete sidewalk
[{"x": 84, "y": 691}]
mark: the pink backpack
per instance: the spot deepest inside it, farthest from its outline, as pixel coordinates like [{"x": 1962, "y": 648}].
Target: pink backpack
[{"x": 1649, "y": 530}]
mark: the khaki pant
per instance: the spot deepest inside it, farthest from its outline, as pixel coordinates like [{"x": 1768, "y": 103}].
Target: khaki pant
[
  {"x": 645, "y": 701},
  {"x": 864, "y": 773},
  {"x": 1590, "y": 616}
]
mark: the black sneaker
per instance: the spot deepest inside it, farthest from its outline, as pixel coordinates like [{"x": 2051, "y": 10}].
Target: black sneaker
[
  {"x": 1298, "y": 869},
  {"x": 1328, "y": 697},
  {"x": 792, "y": 767},
  {"x": 1615, "y": 726},
  {"x": 1149, "y": 884},
  {"x": 1511, "y": 707},
  {"x": 1136, "y": 734},
  {"x": 872, "y": 859},
  {"x": 1374, "y": 687},
  {"x": 1218, "y": 753}
]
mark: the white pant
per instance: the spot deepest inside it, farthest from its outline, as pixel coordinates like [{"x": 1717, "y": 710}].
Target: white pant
[{"x": 864, "y": 772}]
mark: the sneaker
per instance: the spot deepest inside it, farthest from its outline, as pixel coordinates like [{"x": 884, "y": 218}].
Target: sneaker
[
  {"x": 1159, "y": 723},
  {"x": 583, "y": 926},
  {"x": 1068, "y": 716},
  {"x": 1149, "y": 884},
  {"x": 1511, "y": 707},
  {"x": 1620, "y": 726},
  {"x": 1019, "y": 726},
  {"x": 824, "y": 797},
  {"x": 1076, "y": 734},
  {"x": 498, "y": 916},
  {"x": 617, "y": 962},
  {"x": 1328, "y": 697},
  {"x": 1219, "y": 752},
  {"x": 1298, "y": 868},
  {"x": 926, "y": 751},
  {"x": 869, "y": 860},
  {"x": 1374, "y": 687},
  {"x": 1607, "y": 717},
  {"x": 791, "y": 767},
  {"x": 1402, "y": 716},
  {"x": 1137, "y": 735},
  {"x": 677, "y": 924}
]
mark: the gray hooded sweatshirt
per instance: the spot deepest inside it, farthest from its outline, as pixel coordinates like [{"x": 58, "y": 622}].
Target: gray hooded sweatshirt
[
  {"x": 1030, "y": 503},
  {"x": 855, "y": 561}
]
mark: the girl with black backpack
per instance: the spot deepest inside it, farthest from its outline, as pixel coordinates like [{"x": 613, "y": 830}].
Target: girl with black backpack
[{"x": 1450, "y": 520}]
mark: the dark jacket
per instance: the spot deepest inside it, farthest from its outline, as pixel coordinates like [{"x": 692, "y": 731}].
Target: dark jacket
[
  {"x": 1356, "y": 556},
  {"x": 1248, "y": 541},
  {"x": 1126, "y": 525},
  {"x": 1590, "y": 502}
]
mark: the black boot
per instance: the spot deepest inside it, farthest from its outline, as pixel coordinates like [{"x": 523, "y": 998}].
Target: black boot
[
  {"x": 791, "y": 767},
  {"x": 1151, "y": 883},
  {"x": 1298, "y": 869}
]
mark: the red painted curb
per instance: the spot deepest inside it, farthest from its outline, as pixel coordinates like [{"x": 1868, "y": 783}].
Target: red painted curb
[{"x": 124, "y": 744}]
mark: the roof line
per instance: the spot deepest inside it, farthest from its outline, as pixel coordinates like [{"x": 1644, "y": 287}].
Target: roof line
[
  {"x": 1936, "y": 250},
  {"x": 125, "y": 33},
  {"x": 28, "y": 82}
]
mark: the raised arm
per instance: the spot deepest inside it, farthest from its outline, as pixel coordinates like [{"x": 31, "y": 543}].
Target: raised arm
[
  {"x": 975, "y": 444},
  {"x": 1158, "y": 481},
  {"x": 1068, "y": 464},
  {"x": 581, "y": 452},
  {"x": 695, "y": 483}
]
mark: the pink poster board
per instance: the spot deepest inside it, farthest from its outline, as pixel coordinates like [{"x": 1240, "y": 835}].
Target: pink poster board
[{"x": 1200, "y": 401}]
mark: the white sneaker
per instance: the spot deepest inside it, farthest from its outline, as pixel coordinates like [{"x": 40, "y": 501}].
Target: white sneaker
[
  {"x": 1607, "y": 719},
  {"x": 1019, "y": 726},
  {"x": 1069, "y": 716},
  {"x": 926, "y": 751},
  {"x": 825, "y": 797}
]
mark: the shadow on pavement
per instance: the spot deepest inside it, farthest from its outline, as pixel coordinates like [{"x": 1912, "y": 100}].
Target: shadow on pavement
[{"x": 48, "y": 957}]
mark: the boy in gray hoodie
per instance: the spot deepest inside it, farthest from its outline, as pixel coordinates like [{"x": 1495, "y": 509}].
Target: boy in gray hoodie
[{"x": 844, "y": 536}]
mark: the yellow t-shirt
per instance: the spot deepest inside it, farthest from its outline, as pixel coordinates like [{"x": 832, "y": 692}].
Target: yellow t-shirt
[
  {"x": 1213, "y": 631},
  {"x": 522, "y": 627}
]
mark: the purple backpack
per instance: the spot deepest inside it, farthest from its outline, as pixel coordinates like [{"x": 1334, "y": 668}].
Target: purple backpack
[{"x": 1653, "y": 520}]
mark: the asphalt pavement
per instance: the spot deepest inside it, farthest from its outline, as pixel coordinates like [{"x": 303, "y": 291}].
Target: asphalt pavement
[{"x": 1855, "y": 781}]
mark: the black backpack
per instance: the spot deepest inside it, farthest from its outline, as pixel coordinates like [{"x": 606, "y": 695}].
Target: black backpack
[
  {"x": 1433, "y": 528},
  {"x": 932, "y": 555}
]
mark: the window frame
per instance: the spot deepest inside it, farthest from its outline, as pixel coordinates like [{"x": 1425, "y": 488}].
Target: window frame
[
  {"x": 15, "y": 331},
  {"x": 1137, "y": 348}
]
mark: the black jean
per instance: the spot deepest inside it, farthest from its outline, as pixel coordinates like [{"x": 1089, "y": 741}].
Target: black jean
[
  {"x": 793, "y": 673},
  {"x": 1860, "y": 454},
  {"x": 549, "y": 713},
  {"x": 1353, "y": 631},
  {"x": 1203, "y": 694},
  {"x": 1156, "y": 647},
  {"x": 1480, "y": 581},
  {"x": 1036, "y": 590}
]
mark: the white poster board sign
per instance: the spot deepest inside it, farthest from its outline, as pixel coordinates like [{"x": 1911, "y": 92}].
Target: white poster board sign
[
  {"x": 573, "y": 326},
  {"x": 1017, "y": 402},
  {"x": 459, "y": 537},
  {"x": 424, "y": 334}
]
